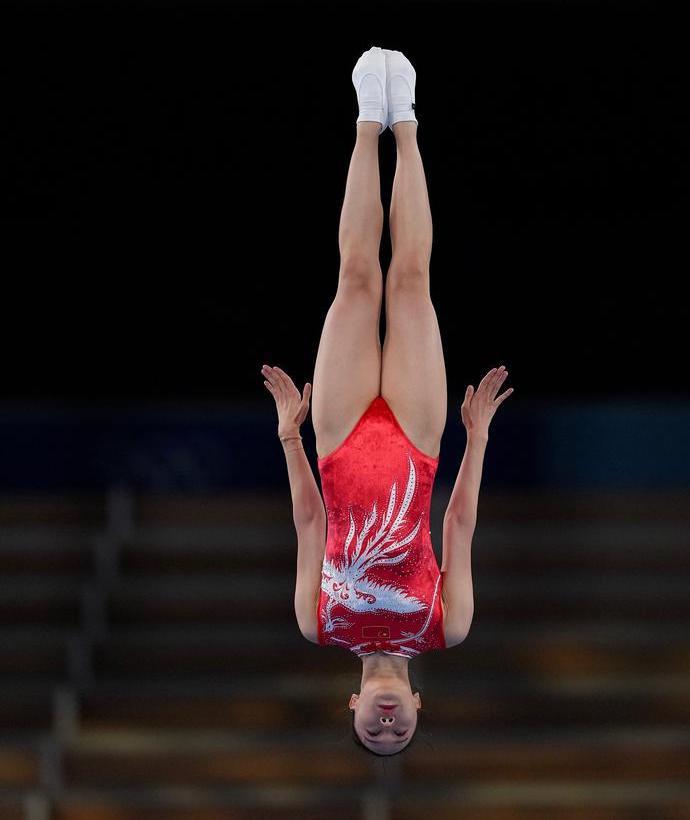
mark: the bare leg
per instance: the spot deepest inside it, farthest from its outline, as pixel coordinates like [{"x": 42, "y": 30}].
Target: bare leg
[
  {"x": 347, "y": 373},
  {"x": 413, "y": 378}
]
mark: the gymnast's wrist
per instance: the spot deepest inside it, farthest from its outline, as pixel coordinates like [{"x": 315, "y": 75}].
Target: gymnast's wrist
[{"x": 290, "y": 439}]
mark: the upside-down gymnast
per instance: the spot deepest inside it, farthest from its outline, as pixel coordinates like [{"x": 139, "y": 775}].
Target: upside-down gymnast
[{"x": 367, "y": 577}]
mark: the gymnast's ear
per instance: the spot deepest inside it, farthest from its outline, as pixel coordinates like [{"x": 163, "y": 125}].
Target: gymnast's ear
[{"x": 353, "y": 701}]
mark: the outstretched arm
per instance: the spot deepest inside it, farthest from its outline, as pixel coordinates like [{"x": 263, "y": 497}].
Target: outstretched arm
[
  {"x": 292, "y": 409},
  {"x": 461, "y": 514},
  {"x": 308, "y": 512}
]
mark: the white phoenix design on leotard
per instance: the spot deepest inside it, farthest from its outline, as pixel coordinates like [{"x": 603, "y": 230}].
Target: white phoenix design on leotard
[{"x": 345, "y": 581}]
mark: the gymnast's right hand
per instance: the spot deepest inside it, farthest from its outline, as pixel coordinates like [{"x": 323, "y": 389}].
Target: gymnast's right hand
[{"x": 292, "y": 408}]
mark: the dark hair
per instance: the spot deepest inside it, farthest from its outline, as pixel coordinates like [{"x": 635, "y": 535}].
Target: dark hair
[{"x": 358, "y": 740}]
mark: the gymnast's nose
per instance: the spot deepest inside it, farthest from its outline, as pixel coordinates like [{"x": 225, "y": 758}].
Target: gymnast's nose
[{"x": 387, "y": 720}]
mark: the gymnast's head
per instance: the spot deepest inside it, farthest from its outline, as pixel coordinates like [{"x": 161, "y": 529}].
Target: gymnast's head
[{"x": 384, "y": 713}]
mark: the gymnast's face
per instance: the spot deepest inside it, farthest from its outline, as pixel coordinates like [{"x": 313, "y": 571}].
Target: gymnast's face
[{"x": 385, "y": 730}]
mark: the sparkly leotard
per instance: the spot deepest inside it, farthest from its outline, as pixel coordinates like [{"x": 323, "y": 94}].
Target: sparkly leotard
[{"x": 380, "y": 580}]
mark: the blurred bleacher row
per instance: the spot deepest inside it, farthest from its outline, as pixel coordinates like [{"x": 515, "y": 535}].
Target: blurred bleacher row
[{"x": 151, "y": 666}]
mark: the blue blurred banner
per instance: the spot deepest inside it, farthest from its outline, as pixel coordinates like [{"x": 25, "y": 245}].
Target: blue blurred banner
[{"x": 606, "y": 445}]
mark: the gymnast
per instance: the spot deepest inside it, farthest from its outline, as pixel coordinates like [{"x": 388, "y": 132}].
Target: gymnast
[{"x": 367, "y": 577}]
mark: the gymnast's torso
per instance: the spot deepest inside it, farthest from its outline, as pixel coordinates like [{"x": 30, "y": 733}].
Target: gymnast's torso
[{"x": 381, "y": 587}]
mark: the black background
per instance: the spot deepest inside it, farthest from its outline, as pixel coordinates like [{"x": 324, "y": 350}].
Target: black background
[{"x": 173, "y": 176}]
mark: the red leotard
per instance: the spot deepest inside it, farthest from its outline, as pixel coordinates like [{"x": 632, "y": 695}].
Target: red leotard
[{"x": 380, "y": 580}]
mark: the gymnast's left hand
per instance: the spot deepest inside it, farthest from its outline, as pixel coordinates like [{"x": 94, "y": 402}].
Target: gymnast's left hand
[
  {"x": 292, "y": 408},
  {"x": 478, "y": 408}
]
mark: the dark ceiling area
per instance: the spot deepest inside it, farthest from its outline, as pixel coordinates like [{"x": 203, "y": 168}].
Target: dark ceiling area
[{"x": 173, "y": 176}]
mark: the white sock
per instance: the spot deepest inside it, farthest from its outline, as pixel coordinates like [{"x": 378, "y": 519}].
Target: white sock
[
  {"x": 369, "y": 80},
  {"x": 401, "y": 101},
  {"x": 401, "y": 88}
]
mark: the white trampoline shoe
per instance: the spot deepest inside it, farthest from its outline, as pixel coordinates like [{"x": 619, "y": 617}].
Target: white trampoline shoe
[
  {"x": 369, "y": 80},
  {"x": 400, "y": 89}
]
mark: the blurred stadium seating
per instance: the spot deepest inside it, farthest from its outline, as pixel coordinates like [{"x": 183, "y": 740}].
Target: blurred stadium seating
[{"x": 143, "y": 677}]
